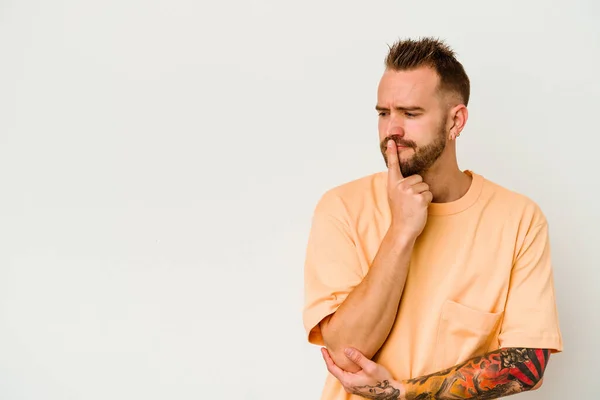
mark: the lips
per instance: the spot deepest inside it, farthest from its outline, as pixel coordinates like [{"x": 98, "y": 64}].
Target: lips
[{"x": 399, "y": 145}]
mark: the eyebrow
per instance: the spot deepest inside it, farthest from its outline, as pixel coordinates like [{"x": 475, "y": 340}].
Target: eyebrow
[{"x": 408, "y": 108}]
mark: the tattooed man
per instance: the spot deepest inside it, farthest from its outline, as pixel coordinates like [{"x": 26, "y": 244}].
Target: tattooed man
[{"x": 425, "y": 281}]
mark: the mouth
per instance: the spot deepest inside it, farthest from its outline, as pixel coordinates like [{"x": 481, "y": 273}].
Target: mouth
[{"x": 399, "y": 146}]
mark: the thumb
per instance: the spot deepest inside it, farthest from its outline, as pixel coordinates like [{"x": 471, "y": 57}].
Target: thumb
[{"x": 358, "y": 358}]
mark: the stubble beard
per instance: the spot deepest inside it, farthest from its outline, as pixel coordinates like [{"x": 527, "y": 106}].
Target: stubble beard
[{"x": 423, "y": 157}]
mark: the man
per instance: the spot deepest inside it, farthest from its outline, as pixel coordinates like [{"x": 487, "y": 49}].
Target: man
[{"x": 425, "y": 281}]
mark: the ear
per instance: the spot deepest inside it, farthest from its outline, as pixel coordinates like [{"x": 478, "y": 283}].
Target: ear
[{"x": 458, "y": 116}]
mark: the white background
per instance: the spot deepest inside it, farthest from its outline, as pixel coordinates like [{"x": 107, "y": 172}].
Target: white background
[{"x": 160, "y": 161}]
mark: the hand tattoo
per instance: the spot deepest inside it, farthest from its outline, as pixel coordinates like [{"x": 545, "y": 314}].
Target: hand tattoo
[{"x": 381, "y": 391}]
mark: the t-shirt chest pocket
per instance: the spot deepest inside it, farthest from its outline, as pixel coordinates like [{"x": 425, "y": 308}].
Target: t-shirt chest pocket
[{"x": 464, "y": 333}]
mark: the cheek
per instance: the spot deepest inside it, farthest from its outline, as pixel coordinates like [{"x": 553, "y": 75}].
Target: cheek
[
  {"x": 417, "y": 125},
  {"x": 422, "y": 129}
]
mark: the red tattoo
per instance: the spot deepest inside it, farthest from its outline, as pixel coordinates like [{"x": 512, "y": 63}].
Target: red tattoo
[{"x": 497, "y": 374}]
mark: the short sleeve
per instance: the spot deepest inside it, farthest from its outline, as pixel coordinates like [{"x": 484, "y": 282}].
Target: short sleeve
[
  {"x": 332, "y": 268},
  {"x": 531, "y": 315}
]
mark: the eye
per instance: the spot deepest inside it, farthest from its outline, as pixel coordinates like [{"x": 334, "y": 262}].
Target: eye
[
  {"x": 410, "y": 115},
  {"x": 382, "y": 113}
]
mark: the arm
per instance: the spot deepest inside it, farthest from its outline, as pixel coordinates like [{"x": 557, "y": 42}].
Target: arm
[
  {"x": 497, "y": 374},
  {"x": 365, "y": 318}
]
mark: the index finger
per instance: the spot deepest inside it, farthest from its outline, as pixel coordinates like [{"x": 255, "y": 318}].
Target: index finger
[
  {"x": 359, "y": 359},
  {"x": 391, "y": 152}
]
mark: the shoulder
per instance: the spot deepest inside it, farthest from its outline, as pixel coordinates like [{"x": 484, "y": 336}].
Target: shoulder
[
  {"x": 351, "y": 194},
  {"x": 512, "y": 204}
]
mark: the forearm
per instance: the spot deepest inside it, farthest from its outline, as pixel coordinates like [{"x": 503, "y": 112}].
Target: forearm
[
  {"x": 497, "y": 374},
  {"x": 365, "y": 318}
]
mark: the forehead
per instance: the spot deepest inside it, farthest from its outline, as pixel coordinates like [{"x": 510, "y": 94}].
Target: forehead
[{"x": 417, "y": 85}]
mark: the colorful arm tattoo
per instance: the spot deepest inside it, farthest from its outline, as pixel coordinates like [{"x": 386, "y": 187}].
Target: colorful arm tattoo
[
  {"x": 497, "y": 374},
  {"x": 494, "y": 375}
]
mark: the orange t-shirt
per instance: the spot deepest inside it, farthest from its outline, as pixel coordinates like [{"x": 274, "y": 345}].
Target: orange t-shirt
[{"x": 480, "y": 276}]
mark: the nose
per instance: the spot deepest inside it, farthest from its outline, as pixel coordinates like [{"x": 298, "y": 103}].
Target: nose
[{"x": 395, "y": 130}]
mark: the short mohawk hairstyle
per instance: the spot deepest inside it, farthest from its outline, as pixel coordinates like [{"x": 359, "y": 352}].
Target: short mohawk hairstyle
[{"x": 410, "y": 54}]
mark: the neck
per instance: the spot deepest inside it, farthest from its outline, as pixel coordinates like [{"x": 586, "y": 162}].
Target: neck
[{"x": 447, "y": 184}]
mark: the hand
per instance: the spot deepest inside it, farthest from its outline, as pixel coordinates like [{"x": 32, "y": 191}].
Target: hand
[
  {"x": 408, "y": 197},
  {"x": 373, "y": 381}
]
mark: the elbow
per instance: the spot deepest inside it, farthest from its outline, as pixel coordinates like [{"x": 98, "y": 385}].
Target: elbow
[
  {"x": 337, "y": 343},
  {"x": 339, "y": 358}
]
